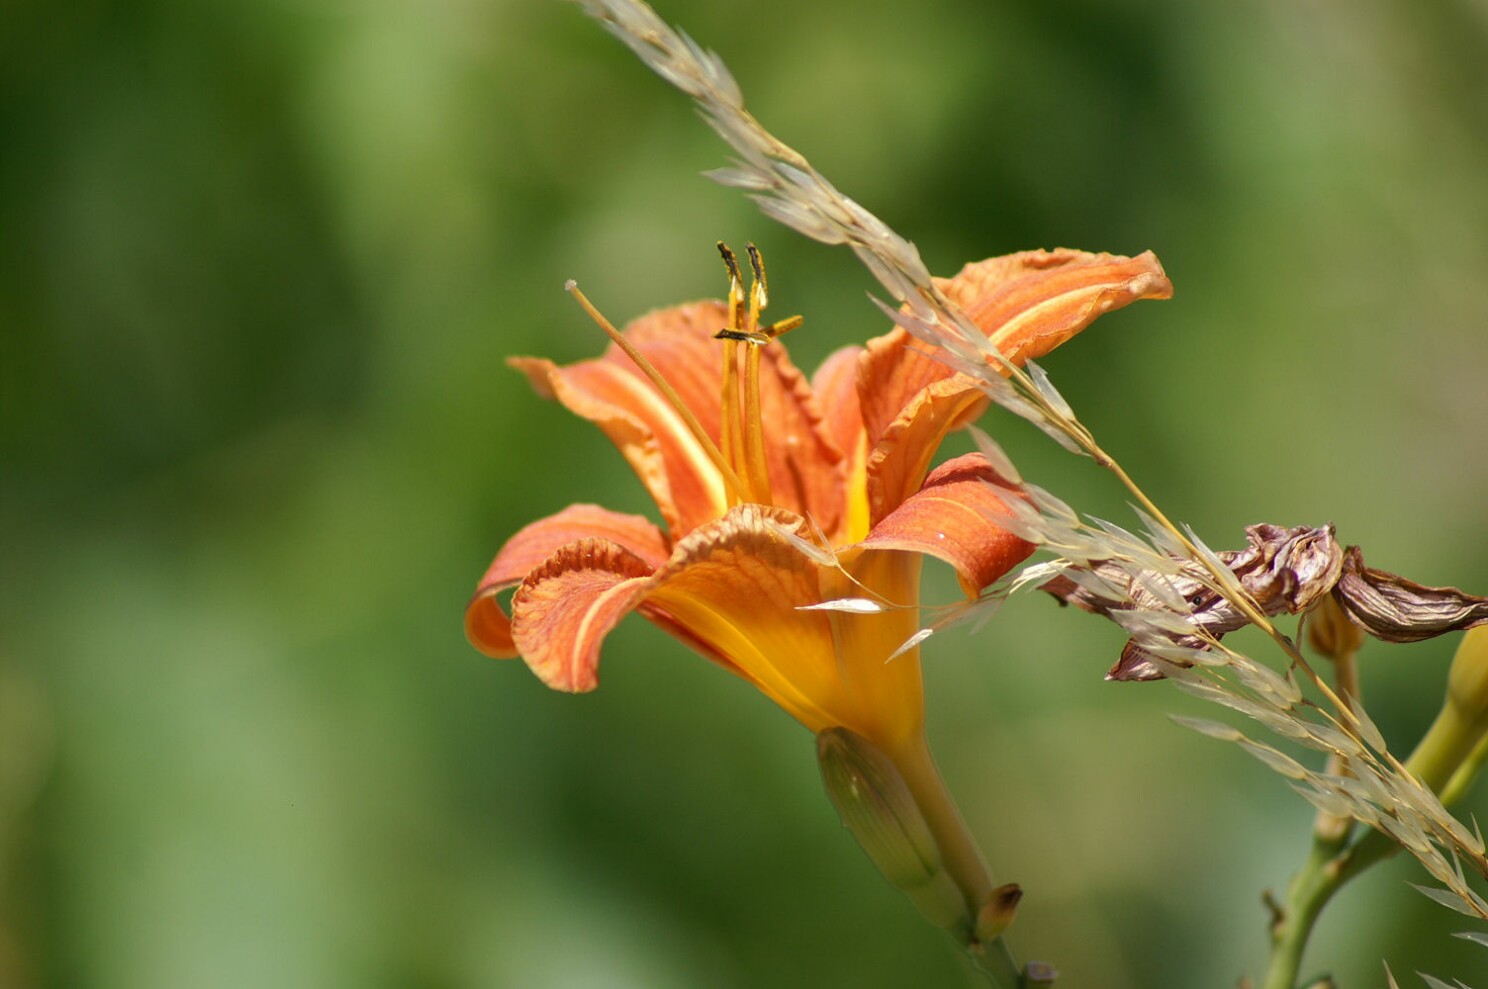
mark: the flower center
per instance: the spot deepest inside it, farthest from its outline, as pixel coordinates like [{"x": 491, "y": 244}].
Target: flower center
[
  {"x": 742, "y": 425},
  {"x": 741, "y": 462}
]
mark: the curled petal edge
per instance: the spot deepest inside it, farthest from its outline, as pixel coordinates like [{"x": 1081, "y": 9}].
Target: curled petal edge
[
  {"x": 488, "y": 626},
  {"x": 563, "y": 610}
]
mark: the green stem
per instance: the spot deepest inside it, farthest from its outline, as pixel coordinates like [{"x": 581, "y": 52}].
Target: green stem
[
  {"x": 1445, "y": 753},
  {"x": 960, "y": 856},
  {"x": 1462, "y": 780},
  {"x": 1327, "y": 869},
  {"x": 1310, "y": 889}
]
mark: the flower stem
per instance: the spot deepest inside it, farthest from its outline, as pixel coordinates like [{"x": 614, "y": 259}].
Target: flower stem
[
  {"x": 1326, "y": 870},
  {"x": 1448, "y": 750},
  {"x": 1310, "y": 889},
  {"x": 961, "y": 857}
]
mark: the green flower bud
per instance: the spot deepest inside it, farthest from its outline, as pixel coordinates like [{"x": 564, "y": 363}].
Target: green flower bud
[
  {"x": 875, "y": 804},
  {"x": 1467, "y": 683},
  {"x": 1462, "y": 724}
]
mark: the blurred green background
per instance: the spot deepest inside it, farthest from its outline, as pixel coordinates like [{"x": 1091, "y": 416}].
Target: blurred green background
[{"x": 262, "y": 263}]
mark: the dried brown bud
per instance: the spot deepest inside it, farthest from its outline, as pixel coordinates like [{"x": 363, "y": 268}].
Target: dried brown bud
[
  {"x": 1283, "y": 570},
  {"x": 1398, "y": 610},
  {"x": 1329, "y": 631},
  {"x": 998, "y": 912}
]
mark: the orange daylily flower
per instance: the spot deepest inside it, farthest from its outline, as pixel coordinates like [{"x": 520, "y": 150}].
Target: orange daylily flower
[
  {"x": 778, "y": 493},
  {"x": 845, "y": 457}
]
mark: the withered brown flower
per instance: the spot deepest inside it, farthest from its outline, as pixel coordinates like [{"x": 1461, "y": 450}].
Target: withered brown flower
[{"x": 1283, "y": 570}]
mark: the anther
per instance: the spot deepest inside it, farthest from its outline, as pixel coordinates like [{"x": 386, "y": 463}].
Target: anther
[
  {"x": 744, "y": 336},
  {"x": 761, "y": 284},
  {"x": 731, "y": 262},
  {"x": 736, "y": 286}
]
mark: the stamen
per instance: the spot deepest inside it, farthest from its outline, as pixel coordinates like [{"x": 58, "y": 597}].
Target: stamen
[
  {"x": 781, "y": 327},
  {"x": 736, "y": 487},
  {"x": 756, "y": 467},
  {"x": 761, "y": 338},
  {"x": 730, "y": 426},
  {"x": 743, "y": 427}
]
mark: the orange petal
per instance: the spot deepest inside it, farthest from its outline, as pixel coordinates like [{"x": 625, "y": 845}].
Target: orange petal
[
  {"x": 737, "y": 585},
  {"x": 679, "y": 476},
  {"x": 954, "y": 518},
  {"x": 835, "y": 387},
  {"x": 896, "y": 467},
  {"x": 892, "y": 370},
  {"x": 486, "y": 624},
  {"x": 889, "y": 692},
  {"x": 1028, "y": 304},
  {"x": 805, "y": 465},
  {"x": 566, "y": 607}
]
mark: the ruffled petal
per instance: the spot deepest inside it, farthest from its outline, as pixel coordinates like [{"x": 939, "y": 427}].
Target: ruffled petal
[
  {"x": 566, "y": 607},
  {"x": 954, "y": 517},
  {"x": 737, "y": 585},
  {"x": 487, "y": 626},
  {"x": 1028, "y": 304},
  {"x": 736, "y": 590}
]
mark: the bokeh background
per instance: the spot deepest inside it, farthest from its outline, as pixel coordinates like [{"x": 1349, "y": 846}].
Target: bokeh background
[{"x": 262, "y": 263}]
